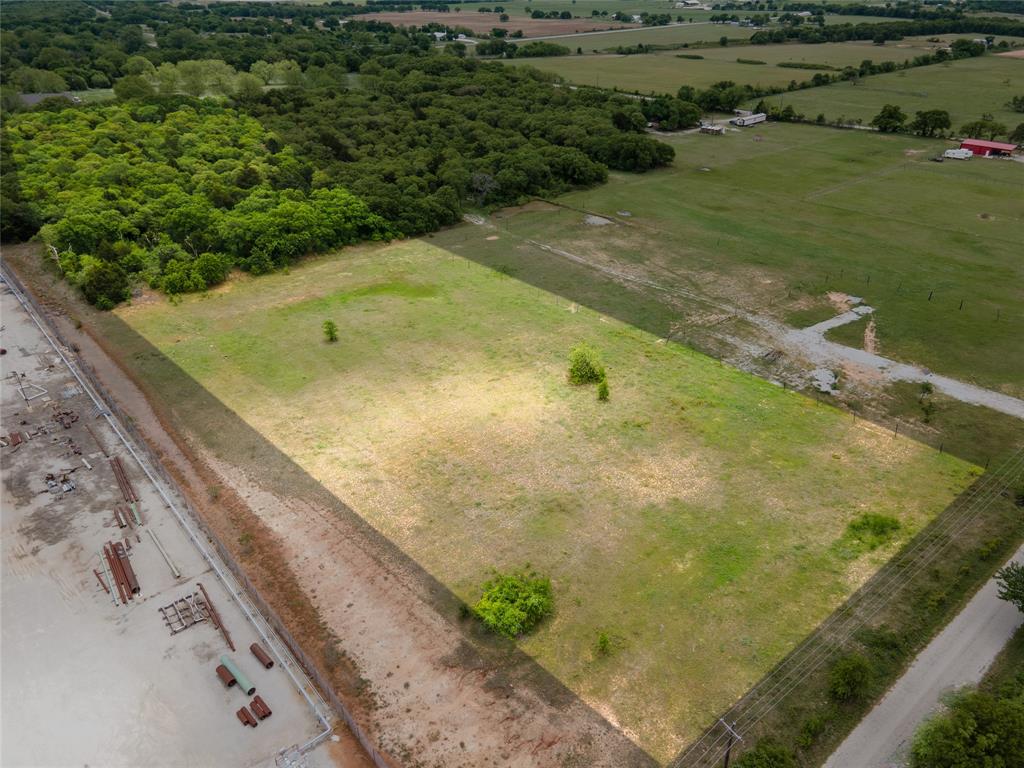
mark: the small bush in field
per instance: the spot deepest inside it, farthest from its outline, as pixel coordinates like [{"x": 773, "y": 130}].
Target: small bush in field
[
  {"x": 585, "y": 366},
  {"x": 513, "y": 604}
]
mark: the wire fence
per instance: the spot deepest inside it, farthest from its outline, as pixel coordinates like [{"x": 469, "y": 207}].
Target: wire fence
[
  {"x": 823, "y": 645},
  {"x": 244, "y": 590}
]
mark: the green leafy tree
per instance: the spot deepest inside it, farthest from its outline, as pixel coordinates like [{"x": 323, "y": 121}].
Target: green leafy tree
[
  {"x": 1011, "y": 584},
  {"x": 133, "y": 87},
  {"x": 849, "y": 678},
  {"x": 985, "y": 128},
  {"x": 978, "y": 730},
  {"x": 767, "y": 754},
  {"x": 103, "y": 283},
  {"x": 890, "y": 119},
  {"x": 930, "y": 122},
  {"x": 330, "y": 330},
  {"x": 513, "y": 604}
]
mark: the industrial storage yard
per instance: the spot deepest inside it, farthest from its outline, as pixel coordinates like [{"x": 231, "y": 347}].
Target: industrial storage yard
[{"x": 125, "y": 661}]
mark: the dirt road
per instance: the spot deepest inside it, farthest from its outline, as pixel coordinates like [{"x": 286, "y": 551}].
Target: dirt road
[{"x": 956, "y": 657}]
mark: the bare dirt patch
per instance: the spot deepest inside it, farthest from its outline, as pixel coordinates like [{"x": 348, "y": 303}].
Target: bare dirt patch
[
  {"x": 1013, "y": 54},
  {"x": 839, "y": 301},
  {"x": 483, "y": 23},
  {"x": 871, "y": 338}
]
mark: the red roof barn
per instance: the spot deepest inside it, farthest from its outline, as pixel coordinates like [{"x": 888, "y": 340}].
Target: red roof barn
[{"x": 982, "y": 147}]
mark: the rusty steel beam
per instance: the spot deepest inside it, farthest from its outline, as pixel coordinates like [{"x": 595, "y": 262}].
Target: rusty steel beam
[
  {"x": 260, "y": 654},
  {"x": 101, "y": 581},
  {"x": 216, "y": 618}
]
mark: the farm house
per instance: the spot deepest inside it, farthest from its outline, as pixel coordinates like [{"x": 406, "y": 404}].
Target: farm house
[{"x": 988, "y": 148}]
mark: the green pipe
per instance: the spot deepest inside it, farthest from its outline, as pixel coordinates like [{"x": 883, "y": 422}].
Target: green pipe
[
  {"x": 135, "y": 513},
  {"x": 243, "y": 681}
]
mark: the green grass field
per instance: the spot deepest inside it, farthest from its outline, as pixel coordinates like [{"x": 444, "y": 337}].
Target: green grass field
[
  {"x": 688, "y": 33},
  {"x": 966, "y": 89},
  {"x": 771, "y": 218},
  {"x": 665, "y": 72},
  {"x": 698, "y": 517}
]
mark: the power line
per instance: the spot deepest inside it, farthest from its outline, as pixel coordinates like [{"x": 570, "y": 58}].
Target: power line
[{"x": 767, "y": 694}]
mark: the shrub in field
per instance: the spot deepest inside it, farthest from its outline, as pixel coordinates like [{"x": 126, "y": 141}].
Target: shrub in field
[
  {"x": 585, "y": 366},
  {"x": 871, "y": 530},
  {"x": 513, "y": 604},
  {"x": 849, "y": 677},
  {"x": 602, "y": 391},
  {"x": 767, "y": 754},
  {"x": 603, "y": 646},
  {"x": 330, "y": 330}
]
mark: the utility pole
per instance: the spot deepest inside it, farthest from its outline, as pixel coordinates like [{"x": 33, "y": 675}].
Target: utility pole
[{"x": 733, "y": 737}]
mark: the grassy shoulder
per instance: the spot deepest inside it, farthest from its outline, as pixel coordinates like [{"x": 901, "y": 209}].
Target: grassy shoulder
[
  {"x": 680, "y": 520},
  {"x": 1007, "y": 671}
]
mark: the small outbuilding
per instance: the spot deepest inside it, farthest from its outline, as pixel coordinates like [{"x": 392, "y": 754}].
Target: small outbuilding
[{"x": 988, "y": 148}]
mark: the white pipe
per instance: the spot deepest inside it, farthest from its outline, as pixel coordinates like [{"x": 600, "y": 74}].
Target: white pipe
[{"x": 167, "y": 559}]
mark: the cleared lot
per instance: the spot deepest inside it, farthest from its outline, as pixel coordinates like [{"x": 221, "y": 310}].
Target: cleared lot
[{"x": 111, "y": 678}]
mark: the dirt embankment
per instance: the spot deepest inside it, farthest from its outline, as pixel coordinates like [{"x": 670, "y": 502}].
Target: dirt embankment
[{"x": 427, "y": 687}]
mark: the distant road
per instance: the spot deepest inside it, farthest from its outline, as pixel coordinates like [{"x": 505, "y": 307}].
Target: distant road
[{"x": 959, "y": 655}]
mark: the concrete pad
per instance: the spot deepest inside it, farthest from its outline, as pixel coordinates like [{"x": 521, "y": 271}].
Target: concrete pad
[{"x": 86, "y": 680}]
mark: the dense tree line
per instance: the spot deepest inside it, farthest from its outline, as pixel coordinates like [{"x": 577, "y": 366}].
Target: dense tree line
[
  {"x": 880, "y": 32},
  {"x": 47, "y": 47},
  {"x": 426, "y": 134},
  {"x": 175, "y": 191},
  {"x": 175, "y": 194}
]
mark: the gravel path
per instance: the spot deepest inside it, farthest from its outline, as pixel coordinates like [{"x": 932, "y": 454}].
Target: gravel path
[
  {"x": 958, "y": 656},
  {"x": 812, "y": 344}
]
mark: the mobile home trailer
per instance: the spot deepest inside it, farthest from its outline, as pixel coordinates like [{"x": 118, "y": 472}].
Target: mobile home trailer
[{"x": 745, "y": 120}]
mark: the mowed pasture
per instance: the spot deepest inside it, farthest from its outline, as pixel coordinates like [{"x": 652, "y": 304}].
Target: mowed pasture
[
  {"x": 698, "y": 518},
  {"x": 967, "y": 89},
  {"x": 677, "y": 34},
  {"x": 771, "y": 218},
  {"x": 666, "y": 72}
]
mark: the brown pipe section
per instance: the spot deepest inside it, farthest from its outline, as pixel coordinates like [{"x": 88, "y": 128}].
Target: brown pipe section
[
  {"x": 115, "y": 572},
  {"x": 101, "y": 581},
  {"x": 260, "y": 708},
  {"x": 246, "y": 718},
  {"x": 225, "y": 677},
  {"x": 260, "y": 654},
  {"x": 129, "y": 572}
]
